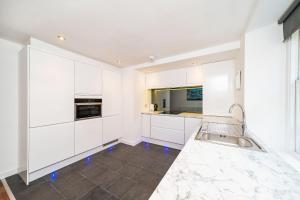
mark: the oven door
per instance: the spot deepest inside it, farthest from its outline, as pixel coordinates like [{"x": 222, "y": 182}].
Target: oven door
[{"x": 87, "y": 110}]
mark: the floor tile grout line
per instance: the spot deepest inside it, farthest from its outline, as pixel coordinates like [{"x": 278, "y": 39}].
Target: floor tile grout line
[
  {"x": 58, "y": 191},
  {"x": 117, "y": 155}
]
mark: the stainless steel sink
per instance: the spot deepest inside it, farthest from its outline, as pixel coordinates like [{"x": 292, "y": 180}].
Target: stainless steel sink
[{"x": 228, "y": 140}]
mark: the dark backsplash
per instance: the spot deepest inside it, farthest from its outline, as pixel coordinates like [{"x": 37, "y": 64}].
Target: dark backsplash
[{"x": 176, "y": 100}]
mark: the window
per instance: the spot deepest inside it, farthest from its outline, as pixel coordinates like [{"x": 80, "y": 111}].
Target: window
[
  {"x": 293, "y": 93},
  {"x": 297, "y": 91}
]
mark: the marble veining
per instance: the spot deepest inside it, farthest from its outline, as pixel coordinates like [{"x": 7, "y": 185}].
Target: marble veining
[{"x": 206, "y": 171}]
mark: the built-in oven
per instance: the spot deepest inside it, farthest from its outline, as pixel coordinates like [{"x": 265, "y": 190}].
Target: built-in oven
[{"x": 88, "y": 108}]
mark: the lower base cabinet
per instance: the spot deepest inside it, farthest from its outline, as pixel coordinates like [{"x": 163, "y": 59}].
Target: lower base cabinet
[
  {"x": 112, "y": 128},
  {"x": 190, "y": 125},
  {"x": 167, "y": 128},
  {"x": 50, "y": 144},
  {"x": 169, "y": 135},
  {"x": 146, "y": 125},
  {"x": 88, "y": 134}
]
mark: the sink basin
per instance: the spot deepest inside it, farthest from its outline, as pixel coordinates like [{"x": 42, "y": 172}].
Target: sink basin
[{"x": 227, "y": 140}]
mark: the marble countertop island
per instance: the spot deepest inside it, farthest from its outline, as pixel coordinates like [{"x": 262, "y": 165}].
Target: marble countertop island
[{"x": 207, "y": 171}]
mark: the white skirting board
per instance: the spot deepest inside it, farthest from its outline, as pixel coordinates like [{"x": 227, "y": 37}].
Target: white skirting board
[
  {"x": 163, "y": 143},
  {"x": 5, "y": 174}
]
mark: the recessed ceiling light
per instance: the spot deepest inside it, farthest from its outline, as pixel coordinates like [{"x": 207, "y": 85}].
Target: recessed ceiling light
[{"x": 61, "y": 37}]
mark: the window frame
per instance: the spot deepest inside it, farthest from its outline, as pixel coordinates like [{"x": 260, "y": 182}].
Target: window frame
[{"x": 293, "y": 110}]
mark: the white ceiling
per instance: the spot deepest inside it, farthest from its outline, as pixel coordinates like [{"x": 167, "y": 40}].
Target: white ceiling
[
  {"x": 266, "y": 12},
  {"x": 126, "y": 30}
]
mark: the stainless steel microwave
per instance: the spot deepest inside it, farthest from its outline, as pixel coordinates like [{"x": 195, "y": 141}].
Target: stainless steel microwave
[{"x": 88, "y": 108}]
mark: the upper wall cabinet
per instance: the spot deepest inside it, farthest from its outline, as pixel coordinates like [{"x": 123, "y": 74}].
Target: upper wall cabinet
[
  {"x": 218, "y": 87},
  {"x": 166, "y": 79},
  {"x": 191, "y": 76},
  {"x": 88, "y": 79},
  {"x": 112, "y": 93},
  {"x": 51, "y": 88},
  {"x": 194, "y": 76}
]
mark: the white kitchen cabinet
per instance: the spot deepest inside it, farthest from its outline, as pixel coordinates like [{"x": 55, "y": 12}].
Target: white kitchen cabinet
[
  {"x": 112, "y": 93},
  {"x": 51, "y": 87},
  {"x": 88, "y": 79},
  {"x": 169, "y": 122},
  {"x": 146, "y": 125},
  {"x": 167, "y": 128},
  {"x": 88, "y": 134},
  {"x": 190, "y": 125},
  {"x": 112, "y": 128},
  {"x": 218, "y": 87},
  {"x": 169, "y": 135},
  {"x": 50, "y": 144},
  {"x": 166, "y": 79},
  {"x": 194, "y": 76}
]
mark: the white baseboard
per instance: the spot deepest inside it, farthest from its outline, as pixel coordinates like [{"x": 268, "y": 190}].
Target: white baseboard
[
  {"x": 11, "y": 172},
  {"x": 131, "y": 142}
]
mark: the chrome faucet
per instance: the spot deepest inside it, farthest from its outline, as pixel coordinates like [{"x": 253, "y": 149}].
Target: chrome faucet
[{"x": 243, "y": 115}]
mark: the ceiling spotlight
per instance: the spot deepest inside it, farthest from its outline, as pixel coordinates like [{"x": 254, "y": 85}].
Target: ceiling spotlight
[
  {"x": 61, "y": 37},
  {"x": 152, "y": 58}
]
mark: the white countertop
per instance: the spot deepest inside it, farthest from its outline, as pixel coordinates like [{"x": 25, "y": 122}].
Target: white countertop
[
  {"x": 207, "y": 118},
  {"x": 209, "y": 171}
]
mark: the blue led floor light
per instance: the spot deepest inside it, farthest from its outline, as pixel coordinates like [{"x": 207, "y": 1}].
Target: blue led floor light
[{"x": 53, "y": 176}]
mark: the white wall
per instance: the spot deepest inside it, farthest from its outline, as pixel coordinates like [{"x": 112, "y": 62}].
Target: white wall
[
  {"x": 9, "y": 108},
  {"x": 265, "y": 84}
]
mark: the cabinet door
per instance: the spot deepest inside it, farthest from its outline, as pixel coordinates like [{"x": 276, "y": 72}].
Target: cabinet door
[
  {"x": 169, "y": 122},
  {"x": 88, "y": 134},
  {"x": 218, "y": 87},
  {"x": 112, "y": 93},
  {"x": 51, "y": 89},
  {"x": 88, "y": 79},
  {"x": 146, "y": 125},
  {"x": 194, "y": 76},
  {"x": 50, "y": 144},
  {"x": 165, "y": 79},
  {"x": 190, "y": 126},
  {"x": 169, "y": 135},
  {"x": 112, "y": 128}
]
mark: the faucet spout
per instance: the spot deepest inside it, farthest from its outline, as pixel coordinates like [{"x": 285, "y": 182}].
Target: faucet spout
[{"x": 244, "y": 127}]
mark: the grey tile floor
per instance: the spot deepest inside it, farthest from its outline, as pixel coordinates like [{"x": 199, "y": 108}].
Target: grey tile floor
[{"x": 121, "y": 172}]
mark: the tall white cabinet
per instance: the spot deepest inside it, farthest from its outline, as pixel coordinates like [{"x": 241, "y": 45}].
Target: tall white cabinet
[
  {"x": 51, "y": 109},
  {"x": 112, "y": 102}
]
